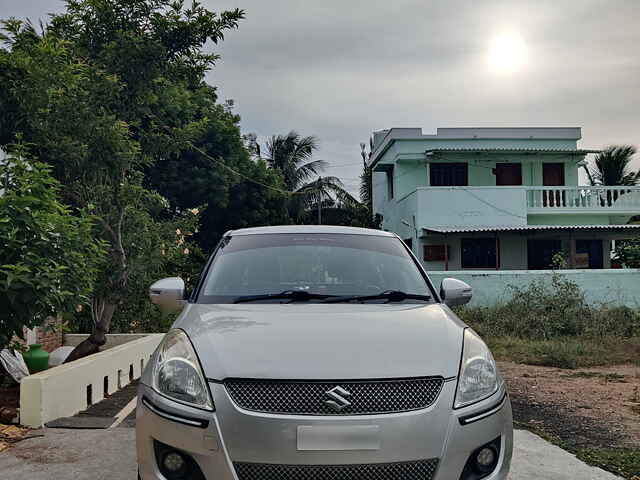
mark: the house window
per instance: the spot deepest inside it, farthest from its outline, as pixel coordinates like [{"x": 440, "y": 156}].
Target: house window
[
  {"x": 434, "y": 253},
  {"x": 449, "y": 174},
  {"x": 541, "y": 253},
  {"x": 553, "y": 174},
  {"x": 508, "y": 173},
  {"x": 479, "y": 253},
  {"x": 589, "y": 254},
  {"x": 390, "y": 183}
]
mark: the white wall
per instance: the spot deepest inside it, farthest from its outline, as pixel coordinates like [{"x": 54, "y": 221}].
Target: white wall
[
  {"x": 472, "y": 206},
  {"x": 62, "y": 391},
  {"x": 617, "y": 287}
]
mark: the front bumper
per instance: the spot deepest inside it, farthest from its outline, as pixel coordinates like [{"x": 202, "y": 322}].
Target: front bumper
[{"x": 235, "y": 435}]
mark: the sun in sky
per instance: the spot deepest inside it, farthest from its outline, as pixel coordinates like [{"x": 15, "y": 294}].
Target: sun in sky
[{"x": 506, "y": 53}]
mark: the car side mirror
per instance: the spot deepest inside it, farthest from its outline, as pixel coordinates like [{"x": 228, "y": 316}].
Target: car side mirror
[
  {"x": 168, "y": 294},
  {"x": 455, "y": 292}
]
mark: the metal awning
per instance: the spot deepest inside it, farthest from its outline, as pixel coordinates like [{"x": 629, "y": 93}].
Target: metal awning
[
  {"x": 527, "y": 228},
  {"x": 563, "y": 151}
]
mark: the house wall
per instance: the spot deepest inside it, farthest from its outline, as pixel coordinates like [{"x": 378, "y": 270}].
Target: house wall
[
  {"x": 513, "y": 248},
  {"x": 444, "y": 206},
  {"x": 411, "y": 173},
  {"x": 573, "y": 219},
  {"x": 617, "y": 287},
  {"x": 411, "y": 166}
]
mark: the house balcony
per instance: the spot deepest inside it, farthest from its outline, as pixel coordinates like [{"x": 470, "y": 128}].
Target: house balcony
[
  {"x": 516, "y": 206},
  {"x": 618, "y": 201}
]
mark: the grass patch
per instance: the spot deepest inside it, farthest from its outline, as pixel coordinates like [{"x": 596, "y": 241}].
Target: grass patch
[
  {"x": 620, "y": 461},
  {"x": 568, "y": 352},
  {"x": 552, "y": 324}
]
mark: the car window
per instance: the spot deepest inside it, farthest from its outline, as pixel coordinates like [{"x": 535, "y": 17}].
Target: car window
[{"x": 335, "y": 264}]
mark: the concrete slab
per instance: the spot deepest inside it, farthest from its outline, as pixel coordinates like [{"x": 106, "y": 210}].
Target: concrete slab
[
  {"x": 73, "y": 454},
  {"x": 110, "y": 455},
  {"x": 82, "y": 422},
  {"x": 534, "y": 458}
]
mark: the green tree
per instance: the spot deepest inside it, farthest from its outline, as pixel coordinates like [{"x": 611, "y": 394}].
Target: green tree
[
  {"x": 291, "y": 155},
  {"x": 367, "y": 218},
  {"x": 48, "y": 256},
  {"x": 99, "y": 94},
  {"x": 219, "y": 172},
  {"x": 628, "y": 252},
  {"x": 612, "y": 166}
]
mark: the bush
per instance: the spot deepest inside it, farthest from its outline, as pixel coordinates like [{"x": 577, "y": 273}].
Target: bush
[
  {"x": 48, "y": 256},
  {"x": 543, "y": 311},
  {"x": 553, "y": 325}
]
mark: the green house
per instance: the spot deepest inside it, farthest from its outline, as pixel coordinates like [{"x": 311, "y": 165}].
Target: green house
[{"x": 497, "y": 199}]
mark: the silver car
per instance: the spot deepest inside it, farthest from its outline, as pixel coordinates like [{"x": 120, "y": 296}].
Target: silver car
[{"x": 320, "y": 353}]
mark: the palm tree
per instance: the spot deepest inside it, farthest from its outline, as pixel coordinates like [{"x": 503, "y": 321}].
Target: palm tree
[
  {"x": 366, "y": 186},
  {"x": 291, "y": 154},
  {"x": 612, "y": 167}
]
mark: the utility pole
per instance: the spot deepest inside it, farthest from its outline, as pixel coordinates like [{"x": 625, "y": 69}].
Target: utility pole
[{"x": 319, "y": 200}]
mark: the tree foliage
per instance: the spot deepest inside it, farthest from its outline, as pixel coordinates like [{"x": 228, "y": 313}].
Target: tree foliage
[
  {"x": 291, "y": 156},
  {"x": 112, "y": 95},
  {"x": 613, "y": 167},
  {"x": 106, "y": 90},
  {"x": 48, "y": 256},
  {"x": 217, "y": 172},
  {"x": 628, "y": 252}
]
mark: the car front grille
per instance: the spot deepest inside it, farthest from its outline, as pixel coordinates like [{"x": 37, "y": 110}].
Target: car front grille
[
  {"x": 367, "y": 397},
  {"x": 418, "y": 470}
]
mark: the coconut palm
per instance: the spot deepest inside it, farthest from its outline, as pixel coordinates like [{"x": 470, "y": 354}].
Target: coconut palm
[
  {"x": 292, "y": 154},
  {"x": 366, "y": 186},
  {"x": 612, "y": 167}
]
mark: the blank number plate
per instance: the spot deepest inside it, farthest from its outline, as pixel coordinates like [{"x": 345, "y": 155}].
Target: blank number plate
[{"x": 335, "y": 437}]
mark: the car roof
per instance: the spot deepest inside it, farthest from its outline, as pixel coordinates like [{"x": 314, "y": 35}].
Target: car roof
[{"x": 284, "y": 229}]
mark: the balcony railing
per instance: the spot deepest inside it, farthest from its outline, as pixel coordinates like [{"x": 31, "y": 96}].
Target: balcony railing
[{"x": 596, "y": 199}]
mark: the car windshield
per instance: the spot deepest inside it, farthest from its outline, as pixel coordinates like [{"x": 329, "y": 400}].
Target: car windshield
[{"x": 320, "y": 265}]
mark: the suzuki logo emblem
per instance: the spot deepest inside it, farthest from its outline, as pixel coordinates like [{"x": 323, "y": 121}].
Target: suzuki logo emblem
[{"x": 338, "y": 398}]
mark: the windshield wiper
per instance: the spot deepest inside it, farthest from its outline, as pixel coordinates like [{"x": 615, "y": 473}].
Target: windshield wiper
[
  {"x": 389, "y": 295},
  {"x": 294, "y": 295}
]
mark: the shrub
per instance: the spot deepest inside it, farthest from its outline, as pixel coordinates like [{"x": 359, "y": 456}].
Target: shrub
[
  {"x": 48, "y": 257},
  {"x": 542, "y": 311}
]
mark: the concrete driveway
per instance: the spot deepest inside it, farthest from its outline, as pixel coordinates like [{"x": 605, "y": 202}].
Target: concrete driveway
[{"x": 110, "y": 455}]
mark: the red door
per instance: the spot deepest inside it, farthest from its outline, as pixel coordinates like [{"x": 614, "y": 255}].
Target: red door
[
  {"x": 508, "y": 174},
  {"x": 553, "y": 176}
]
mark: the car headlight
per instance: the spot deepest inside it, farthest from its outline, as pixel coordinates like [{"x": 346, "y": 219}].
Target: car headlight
[
  {"x": 177, "y": 373},
  {"x": 479, "y": 377}
]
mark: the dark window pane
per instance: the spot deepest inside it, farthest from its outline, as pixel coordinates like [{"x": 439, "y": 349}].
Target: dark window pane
[
  {"x": 390, "y": 192},
  {"x": 541, "y": 253},
  {"x": 435, "y": 253},
  {"x": 508, "y": 174},
  {"x": 479, "y": 253},
  {"x": 449, "y": 174},
  {"x": 589, "y": 254}
]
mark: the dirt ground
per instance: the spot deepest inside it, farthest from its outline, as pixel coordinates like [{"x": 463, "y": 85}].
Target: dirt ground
[
  {"x": 589, "y": 407},
  {"x": 10, "y": 397}
]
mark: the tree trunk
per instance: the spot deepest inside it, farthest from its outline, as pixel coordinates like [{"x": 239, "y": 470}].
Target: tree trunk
[
  {"x": 104, "y": 306},
  {"x": 102, "y": 311}
]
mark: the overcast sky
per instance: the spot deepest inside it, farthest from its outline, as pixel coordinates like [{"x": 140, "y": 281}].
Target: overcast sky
[{"x": 339, "y": 69}]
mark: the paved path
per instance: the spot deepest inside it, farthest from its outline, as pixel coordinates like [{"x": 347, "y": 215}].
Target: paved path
[{"x": 110, "y": 455}]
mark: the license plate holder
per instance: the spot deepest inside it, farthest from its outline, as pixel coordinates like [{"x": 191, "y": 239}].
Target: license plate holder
[{"x": 338, "y": 437}]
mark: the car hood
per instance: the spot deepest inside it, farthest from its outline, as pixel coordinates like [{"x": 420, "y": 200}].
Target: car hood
[{"x": 332, "y": 342}]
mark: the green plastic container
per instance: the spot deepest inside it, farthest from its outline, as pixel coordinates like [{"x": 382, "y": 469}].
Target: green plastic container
[{"x": 36, "y": 359}]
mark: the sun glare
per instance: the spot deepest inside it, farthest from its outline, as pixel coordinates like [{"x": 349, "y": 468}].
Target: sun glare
[{"x": 506, "y": 53}]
